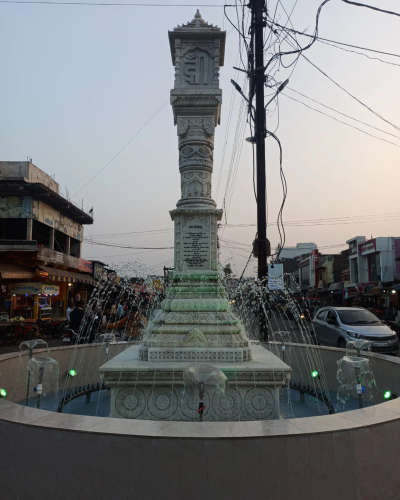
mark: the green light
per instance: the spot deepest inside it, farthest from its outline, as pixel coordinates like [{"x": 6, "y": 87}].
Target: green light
[
  {"x": 3, "y": 393},
  {"x": 314, "y": 373},
  {"x": 72, "y": 372},
  {"x": 387, "y": 394}
]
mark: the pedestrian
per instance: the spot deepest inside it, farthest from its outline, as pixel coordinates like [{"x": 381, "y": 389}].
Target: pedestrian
[
  {"x": 120, "y": 310},
  {"x": 390, "y": 313},
  {"x": 76, "y": 317},
  {"x": 69, "y": 310}
]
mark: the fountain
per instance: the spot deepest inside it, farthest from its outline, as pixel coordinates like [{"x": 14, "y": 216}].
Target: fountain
[
  {"x": 42, "y": 375},
  {"x": 196, "y": 324},
  {"x": 355, "y": 377},
  {"x": 196, "y": 363}
]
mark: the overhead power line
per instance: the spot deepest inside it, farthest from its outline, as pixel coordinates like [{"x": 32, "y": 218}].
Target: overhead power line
[
  {"x": 343, "y": 114},
  {"x": 332, "y": 220},
  {"x": 105, "y": 244},
  {"x": 372, "y": 7},
  {"x": 150, "y": 231},
  {"x": 351, "y": 51},
  {"x": 147, "y": 122},
  {"x": 362, "y": 103},
  {"x": 117, "y": 4},
  {"x": 294, "y": 222},
  {"x": 341, "y": 121},
  {"x": 336, "y": 42}
]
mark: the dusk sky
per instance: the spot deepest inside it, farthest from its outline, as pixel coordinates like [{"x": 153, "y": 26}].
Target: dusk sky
[{"x": 84, "y": 92}]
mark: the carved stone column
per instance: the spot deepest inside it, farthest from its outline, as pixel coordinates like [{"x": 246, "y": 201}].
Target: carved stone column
[{"x": 197, "y": 50}]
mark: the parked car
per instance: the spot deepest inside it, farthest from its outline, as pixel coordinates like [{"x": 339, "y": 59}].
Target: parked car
[{"x": 336, "y": 325}]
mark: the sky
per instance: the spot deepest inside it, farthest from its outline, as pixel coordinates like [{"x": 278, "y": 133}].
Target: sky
[{"x": 84, "y": 92}]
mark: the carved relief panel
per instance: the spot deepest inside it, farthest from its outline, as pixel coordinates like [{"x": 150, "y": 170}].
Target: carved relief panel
[
  {"x": 196, "y": 184},
  {"x": 193, "y": 127},
  {"x": 197, "y": 64},
  {"x": 196, "y": 142},
  {"x": 197, "y": 67},
  {"x": 196, "y": 155}
]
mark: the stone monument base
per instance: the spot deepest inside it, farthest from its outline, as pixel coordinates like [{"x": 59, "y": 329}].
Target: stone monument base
[{"x": 156, "y": 390}]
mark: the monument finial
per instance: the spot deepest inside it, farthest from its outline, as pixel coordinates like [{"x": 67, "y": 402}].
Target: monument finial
[{"x": 198, "y": 20}]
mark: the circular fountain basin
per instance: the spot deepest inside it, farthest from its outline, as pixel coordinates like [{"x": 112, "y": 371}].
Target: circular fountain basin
[{"x": 346, "y": 455}]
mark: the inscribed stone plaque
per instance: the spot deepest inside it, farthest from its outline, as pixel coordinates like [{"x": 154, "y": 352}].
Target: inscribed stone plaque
[{"x": 196, "y": 243}]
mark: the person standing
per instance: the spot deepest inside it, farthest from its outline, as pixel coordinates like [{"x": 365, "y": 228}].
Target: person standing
[
  {"x": 76, "y": 317},
  {"x": 68, "y": 312}
]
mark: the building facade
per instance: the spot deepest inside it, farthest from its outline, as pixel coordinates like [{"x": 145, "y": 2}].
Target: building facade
[
  {"x": 41, "y": 236},
  {"x": 288, "y": 253},
  {"x": 376, "y": 260}
]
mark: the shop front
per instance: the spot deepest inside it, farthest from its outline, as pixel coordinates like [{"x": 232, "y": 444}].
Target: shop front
[
  {"x": 32, "y": 300},
  {"x": 74, "y": 287}
]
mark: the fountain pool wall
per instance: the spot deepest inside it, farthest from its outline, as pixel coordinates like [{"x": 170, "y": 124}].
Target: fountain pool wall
[{"x": 351, "y": 455}]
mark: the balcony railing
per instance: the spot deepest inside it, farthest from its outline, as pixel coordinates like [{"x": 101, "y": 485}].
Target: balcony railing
[{"x": 48, "y": 256}]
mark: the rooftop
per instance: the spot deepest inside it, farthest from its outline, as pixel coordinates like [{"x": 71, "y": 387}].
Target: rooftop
[{"x": 25, "y": 179}]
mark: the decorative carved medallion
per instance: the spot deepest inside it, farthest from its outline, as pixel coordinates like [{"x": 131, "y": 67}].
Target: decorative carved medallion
[
  {"x": 130, "y": 403},
  {"x": 260, "y": 403},
  {"x": 189, "y": 404},
  {"x": 163, "y": 402},
  {"x": 227, "y": 404}
]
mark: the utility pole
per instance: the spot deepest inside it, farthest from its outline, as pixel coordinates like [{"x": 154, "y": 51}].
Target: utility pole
[{"x": 258, "y": 81}]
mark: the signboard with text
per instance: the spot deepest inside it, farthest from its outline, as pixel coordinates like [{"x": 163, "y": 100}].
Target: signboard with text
[
  {"x": 275, "y": 277},
  {"x": 367, "y": 247},
  {"x": 196, "y": 243}
]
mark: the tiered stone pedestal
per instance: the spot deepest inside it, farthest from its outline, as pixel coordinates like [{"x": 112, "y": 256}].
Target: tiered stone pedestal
[{"x": 155, "y": 389}]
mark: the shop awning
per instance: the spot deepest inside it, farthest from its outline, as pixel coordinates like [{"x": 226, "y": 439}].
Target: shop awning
[
  {"x": 55, "y": 274},
  {"x": 14, "y": 272}
]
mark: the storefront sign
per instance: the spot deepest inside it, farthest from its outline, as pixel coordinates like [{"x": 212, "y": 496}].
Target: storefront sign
[
  {"x": 367, "y": 247},
  {"x": 50, "y": 289},
  {"x": 35, "y": 289},
  {"x": 98, "y": 270},
  {"x": 85, "y": 266}
]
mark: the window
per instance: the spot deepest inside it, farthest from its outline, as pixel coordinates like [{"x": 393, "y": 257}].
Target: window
[
  {"x": 41, "y": 233},
  {"x": 358, "y": 317},
  {"x": 12, "y": 229},
  {"x": 331, "y": 317},
  {"x": 60, "y": 241},
  {"x": 354, "y": 270},
  {"x": 75, "y": 247},
  {"x": 374, "y": 267},
  {"x": 321, "y": 315}
]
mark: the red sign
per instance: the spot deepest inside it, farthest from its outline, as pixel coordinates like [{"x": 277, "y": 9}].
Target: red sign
[
  {"x": 367, "y": 246},
  {"x": 85, "y": 266}
]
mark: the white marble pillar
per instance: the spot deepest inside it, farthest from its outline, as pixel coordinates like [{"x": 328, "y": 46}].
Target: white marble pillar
[{"x": 197, "y": 50}]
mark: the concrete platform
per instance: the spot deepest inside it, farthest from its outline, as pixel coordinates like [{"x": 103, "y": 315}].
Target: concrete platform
[{"x": 156, "y": 390}]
